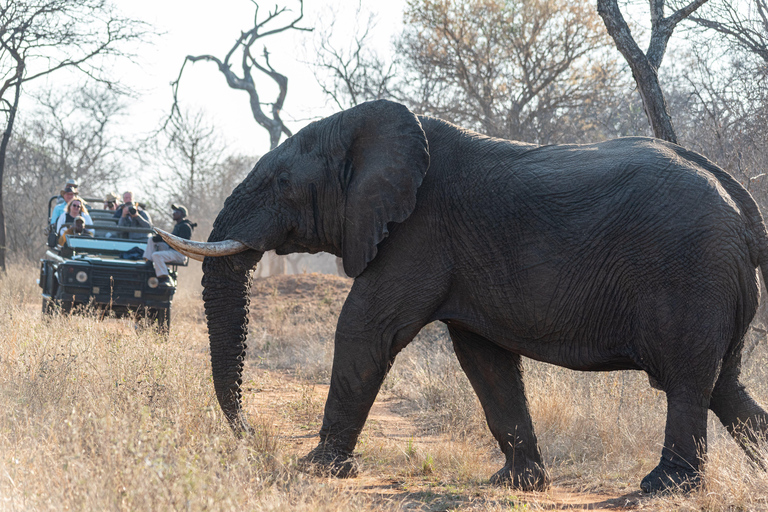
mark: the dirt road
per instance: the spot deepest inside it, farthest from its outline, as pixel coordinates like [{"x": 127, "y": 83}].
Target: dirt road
[{"x": 295, "y": 410}]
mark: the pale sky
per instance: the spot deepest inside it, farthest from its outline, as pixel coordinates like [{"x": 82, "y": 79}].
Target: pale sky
[{"x": 194, "y": 27}]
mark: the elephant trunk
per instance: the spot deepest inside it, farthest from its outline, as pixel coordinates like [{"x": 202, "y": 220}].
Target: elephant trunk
[{"x": 227, "y": 283}]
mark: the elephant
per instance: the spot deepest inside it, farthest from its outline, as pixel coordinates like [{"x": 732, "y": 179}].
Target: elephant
[{"x": 627, "y": 254}]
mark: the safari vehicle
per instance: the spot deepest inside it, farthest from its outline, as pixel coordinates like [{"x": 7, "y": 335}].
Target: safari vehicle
[{"x": 96, "y": 271}]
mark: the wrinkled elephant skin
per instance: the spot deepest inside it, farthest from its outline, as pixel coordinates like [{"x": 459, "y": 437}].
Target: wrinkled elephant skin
[{"x": 627, "y": 254}]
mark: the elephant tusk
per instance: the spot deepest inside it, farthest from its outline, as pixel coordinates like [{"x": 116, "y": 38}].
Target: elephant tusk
[
  {"x": 192, "y": 255},
  {"x": 214, "y": 249}
]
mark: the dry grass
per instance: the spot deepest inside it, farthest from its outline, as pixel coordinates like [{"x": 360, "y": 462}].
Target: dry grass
[{"x": 100, "y": 415}]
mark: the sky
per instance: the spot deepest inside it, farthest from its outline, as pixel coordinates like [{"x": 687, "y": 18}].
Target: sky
[{"x": 194, "y": 27}]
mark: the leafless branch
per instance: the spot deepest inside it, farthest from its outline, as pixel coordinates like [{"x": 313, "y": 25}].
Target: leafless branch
[{"x": 272, "y": 122}]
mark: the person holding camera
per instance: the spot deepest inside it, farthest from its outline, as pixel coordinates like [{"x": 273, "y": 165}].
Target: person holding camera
[
  {"x": 160, "y": 253},
  {"x": 133, "y": 216},
  {"x": 110, "y": 202},
  {"x": 127, "y": 200}
]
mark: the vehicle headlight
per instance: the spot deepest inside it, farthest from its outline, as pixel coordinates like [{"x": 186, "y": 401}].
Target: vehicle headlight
[
  {"x": 81, "y": 276},
  {"x": 153, "y": 282}
]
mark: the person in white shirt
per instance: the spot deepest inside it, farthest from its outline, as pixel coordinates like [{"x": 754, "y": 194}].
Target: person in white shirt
[{"x": 75, "y": 208}]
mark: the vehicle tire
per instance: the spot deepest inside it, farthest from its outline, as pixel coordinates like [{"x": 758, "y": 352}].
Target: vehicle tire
[
  {"x": 66, "y": 306},
  {"x": 163, "y": 318},
  {"x": 53, "y": 306}
]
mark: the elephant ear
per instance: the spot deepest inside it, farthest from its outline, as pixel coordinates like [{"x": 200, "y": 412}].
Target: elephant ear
[{"x": 387, "y": 158}]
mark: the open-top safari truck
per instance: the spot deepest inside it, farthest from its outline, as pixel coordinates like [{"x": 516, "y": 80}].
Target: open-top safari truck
[{"x": 105, "y": 271}]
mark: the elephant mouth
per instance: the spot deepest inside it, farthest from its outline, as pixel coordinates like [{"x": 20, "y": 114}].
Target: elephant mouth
[{"x": 200, "y": 250}]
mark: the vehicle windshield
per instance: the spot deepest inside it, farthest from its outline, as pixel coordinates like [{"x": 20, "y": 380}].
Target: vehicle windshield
[{"x": 99, "y": 245}]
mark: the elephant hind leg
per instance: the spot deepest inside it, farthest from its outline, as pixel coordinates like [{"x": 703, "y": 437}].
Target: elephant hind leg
[
  {"x": 685, "y": 441},
  {"x": 744, "y": 419},
  {"x": 496, "y": 376}
]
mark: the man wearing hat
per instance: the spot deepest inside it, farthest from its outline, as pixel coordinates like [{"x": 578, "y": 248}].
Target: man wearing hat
[
  {"x": 110, "y": 202},
  {"x": 65, "y": 196},
  {"x": 69, "y": 183},
  {"x": 161, "y": 253}
]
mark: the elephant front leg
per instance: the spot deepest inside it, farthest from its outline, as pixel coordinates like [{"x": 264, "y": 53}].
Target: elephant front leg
[
  {"x": 496, "y": 376},
  {"x": 359, "y": 368}
]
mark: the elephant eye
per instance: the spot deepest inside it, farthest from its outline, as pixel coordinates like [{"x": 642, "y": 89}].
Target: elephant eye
[{"x": 283, "y": 179}]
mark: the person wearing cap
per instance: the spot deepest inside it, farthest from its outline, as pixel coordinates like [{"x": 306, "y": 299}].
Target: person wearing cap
[
  {"x": 110, "y": 202},
  {"x": 66, "y": 195},
  {"x": 71, "y": 184},
  {"x": 161, "y": 253},
  {"x": 75, "y": 208},
  {"x": 77, "y": 228}
]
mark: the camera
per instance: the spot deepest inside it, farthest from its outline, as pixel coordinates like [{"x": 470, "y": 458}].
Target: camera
[{"x": 132, "y": 210}]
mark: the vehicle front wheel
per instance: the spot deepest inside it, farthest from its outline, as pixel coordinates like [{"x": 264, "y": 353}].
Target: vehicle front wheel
[
  {"x": 161, "y": 318},
  {"x": 53, "y": 306}
]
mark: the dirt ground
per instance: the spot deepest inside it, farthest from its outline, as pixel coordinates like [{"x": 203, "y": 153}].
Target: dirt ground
[
  {"x": 277, "y": 393},
  {"x": 280, "y": 391}
]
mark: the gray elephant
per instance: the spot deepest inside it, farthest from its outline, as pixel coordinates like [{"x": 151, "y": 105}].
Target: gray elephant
[{"x": 630, "y": 254}]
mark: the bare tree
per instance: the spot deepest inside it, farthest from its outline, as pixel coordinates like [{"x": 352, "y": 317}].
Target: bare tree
[
  {"x": 30, "y": 168},
  {"x": 201, "y": 172},
  {"x": 40, "y": 37},
  {"x": 724, "y": 90},
  {"x": 192, "y": 152},
  {"x": 242, "y": 50},
  {"x": 522, "y": 70},
  {"x": 745, "y": 24},
  {"x": 350, "y": 71},
  {"x": 76, "y": 127},
  {"x": 645, "y": 65},
  {"x": 69, "y": 135}
]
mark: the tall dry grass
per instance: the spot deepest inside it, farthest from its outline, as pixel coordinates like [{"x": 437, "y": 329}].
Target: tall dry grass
[
  {"x": 105, "y": 415},
  {"x": 100, "y": 415}
]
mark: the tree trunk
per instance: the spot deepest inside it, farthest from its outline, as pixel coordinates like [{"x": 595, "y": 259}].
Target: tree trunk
[
  {"x": 654, "y": 104},
  {"x": 276, "y": 264},
  {"x": 643, "y": 70},
  {"x": 3, "y": 152}
]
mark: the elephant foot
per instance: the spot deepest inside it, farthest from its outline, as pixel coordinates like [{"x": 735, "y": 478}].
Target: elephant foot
[
  {"x": 668, "y": 478},
  {"x": 325, "y": 461},
  {"x": 532, "y": 477}
]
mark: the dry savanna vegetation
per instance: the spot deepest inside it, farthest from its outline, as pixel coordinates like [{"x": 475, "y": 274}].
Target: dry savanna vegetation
[{"x": 101, "y": 414}]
